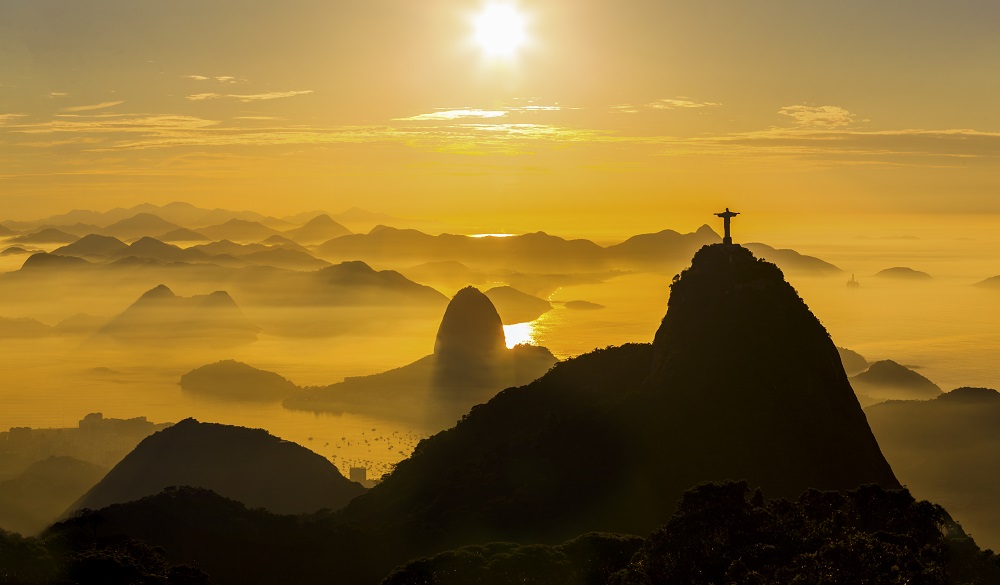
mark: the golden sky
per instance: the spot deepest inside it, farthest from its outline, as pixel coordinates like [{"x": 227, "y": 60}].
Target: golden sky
[{"x": 642, "y": 113}]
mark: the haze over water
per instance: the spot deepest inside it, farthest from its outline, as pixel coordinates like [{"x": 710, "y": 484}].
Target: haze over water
[{"x": 945, "y": 328}]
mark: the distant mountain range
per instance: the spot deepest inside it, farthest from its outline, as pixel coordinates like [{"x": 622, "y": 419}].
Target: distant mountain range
[
  {"x": 384, "y": 245},
  {"x": 541, "y": 251}
]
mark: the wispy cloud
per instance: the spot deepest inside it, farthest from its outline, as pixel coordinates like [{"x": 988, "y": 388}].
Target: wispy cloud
[
  {"x": 57, "y": 94},
  {"x": 455, "y": 115},
  {"x": 819, "y": 116},
  {"x": 204, "y": 96},
  {"x": 8, "y": 117},
  {"x": 219, "y": 78},
  {"x": 449, "y": 114},
  {"x": 675, "y": 103},
  {"x": 535, "y": 109},
  {"x": 92, "y": 107},
  {"x": 272, "y": 95},
  {"x": 66, "y": 142},
  {"x": 680, "y": 103},
  {"x": 163, "y": 123}
]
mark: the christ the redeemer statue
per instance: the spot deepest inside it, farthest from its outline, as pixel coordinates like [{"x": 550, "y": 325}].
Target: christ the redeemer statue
[{"x": 726, "y": 217}]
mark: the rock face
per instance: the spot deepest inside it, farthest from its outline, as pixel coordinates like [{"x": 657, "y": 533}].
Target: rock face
[
  {"x": 748, "y": 377},
  {"x": 470, "y": 328},
  {"x": 247, "y": 465}
]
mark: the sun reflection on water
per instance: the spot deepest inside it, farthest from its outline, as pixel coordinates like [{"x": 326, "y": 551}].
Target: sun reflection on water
[{"x": 519, "y": 333}]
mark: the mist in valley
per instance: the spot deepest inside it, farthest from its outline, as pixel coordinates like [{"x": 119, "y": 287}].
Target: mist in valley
[{"x": 357, "y": 346}]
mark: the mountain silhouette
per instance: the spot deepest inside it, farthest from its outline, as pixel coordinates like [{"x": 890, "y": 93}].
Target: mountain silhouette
[
  {"x": 280, "y": 257},
  {"x": 317, "y": 230},
  {"x": 14, "y": 251},
  {"x": 854, "y": 362},
  {"x": 357, "y": 282},
  {"x": 45, "y": 236},
  {"x": 160, "y": 316},
  {"x": 34, "y": 499},
  {"x": 94, "y": 245},
  {"x": 470, "y": 364},
  {"x": 42, "y": 261},
  {"x": 543, "y": 252},
  {"x": 887, "y": 380},
  {"x": 742, "y": 381},
  {"x": 792, "y": 261},
  {"x": 247, "y": 465},
  {"x": 747, "y": 373},
  {"x": 515, "y": 306},
  {"x": 470, "y": 329},
  {"x": 903, "y": 273},
  {"x": 140, "y": 224},
  {"x": 280, "y": 241},
  {"x": 22, "y": 327},
  {"x": 664, "y": 247},
  {"x": 238, "y": 230},
  {"x": 229, "y": 247},
  {"x": 232, "y": 379},
  {"x": 991, "y": 282},
  {"x": 940, "y": 449},
  {"x": 535, "y": 251},
  {"x": 181, "y": 235}
]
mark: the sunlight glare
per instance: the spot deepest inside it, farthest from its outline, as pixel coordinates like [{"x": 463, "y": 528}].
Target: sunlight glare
[
  {"x": 519, "y": 333},
  {"x": 500, "y": 30}
]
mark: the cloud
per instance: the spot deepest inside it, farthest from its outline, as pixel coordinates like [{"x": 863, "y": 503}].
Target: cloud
[
  {"x": 624, "y": 109},
  {"x": 455, "y": 115},
  {"x": 273, "y": 95},
  {"x": 270, "y": 95},
  {"x": 219, "y": 78},
  {"x": 115, "y": 124},
  {"x": 535, "y": 109},
  {"x": 204, "y": 96},
  {"x": 7, "y": 117},
  {"x": 819, "y": 116},
  {"x": 53, "y": 143},
  {"x": 679, "y": 103},
  {"x": 92, "y": 107},
  {"x": 55, "y": 94}
]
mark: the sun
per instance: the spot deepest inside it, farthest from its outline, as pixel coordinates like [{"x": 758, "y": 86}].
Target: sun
[{"x": 500, "y": 30}]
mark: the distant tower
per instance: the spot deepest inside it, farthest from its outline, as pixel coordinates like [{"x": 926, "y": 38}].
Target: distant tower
[{"x": 726, "y": 217}]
